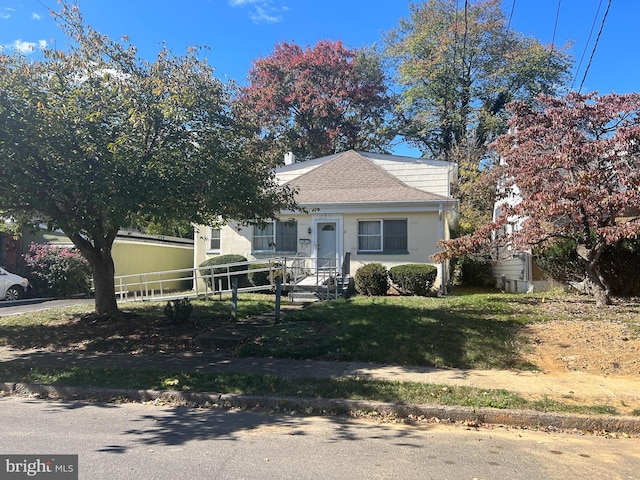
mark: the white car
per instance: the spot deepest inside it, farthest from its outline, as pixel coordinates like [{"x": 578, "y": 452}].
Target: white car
[{"x": 12, "y": 287}]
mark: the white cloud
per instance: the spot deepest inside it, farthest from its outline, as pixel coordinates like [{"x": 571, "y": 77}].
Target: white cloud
[
  {"x": 35, "y": 16},
  {"x": 5, "y": 16},
  {"x": 262, "y": 11},
  {"x": 259, "y": 15},
  {"x": 28, "y": 47},
  {"x": 239, "y": 3}
]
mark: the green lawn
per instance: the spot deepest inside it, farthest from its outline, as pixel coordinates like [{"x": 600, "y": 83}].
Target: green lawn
[
  {"x": 469, "y": 331},
  {"x": 330, "y": 388},
  {"x": 475, "y": 330}
]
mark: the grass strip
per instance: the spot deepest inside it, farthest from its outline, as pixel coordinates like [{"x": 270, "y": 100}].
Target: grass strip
[{"x": 330, "y": 388}]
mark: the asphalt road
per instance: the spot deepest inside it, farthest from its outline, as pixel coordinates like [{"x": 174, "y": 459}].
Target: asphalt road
[
  {"x": 35, "y": 304},
  {"x": 128, "y": 441}
]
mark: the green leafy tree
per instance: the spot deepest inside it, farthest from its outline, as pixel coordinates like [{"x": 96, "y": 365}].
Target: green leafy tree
[
  {"x": 459, "y": 64},
  {"x": 317, "y": 101},
  {"x": 93, "y": 137}
]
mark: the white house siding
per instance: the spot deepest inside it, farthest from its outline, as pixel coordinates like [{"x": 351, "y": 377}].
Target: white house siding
[
  {"x": 423, "y": 235},
  {"x": 423, "y": 230},
  {"x": 288, "y": 175},
  {"x": 429, "y": 178},
  {"x": 513, "y": 274}
]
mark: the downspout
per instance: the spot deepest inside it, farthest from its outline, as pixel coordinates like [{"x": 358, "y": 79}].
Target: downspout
[{"x": 443, "y": 282}]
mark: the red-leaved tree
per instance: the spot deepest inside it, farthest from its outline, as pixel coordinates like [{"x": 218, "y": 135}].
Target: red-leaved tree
[
  {"x": 570, "y": 169},
  {"x": 317, "y": 101}
]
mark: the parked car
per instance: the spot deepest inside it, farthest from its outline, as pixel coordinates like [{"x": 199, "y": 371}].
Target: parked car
[{"x": 12, "y": 286}]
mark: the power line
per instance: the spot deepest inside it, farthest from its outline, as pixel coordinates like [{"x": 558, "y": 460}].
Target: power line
[
  {"x": 586, "y": 45},
  {"x": 555, "y": 26},
  {"x": 513, "y": 7},
  {"x": 595, "y": 45}
]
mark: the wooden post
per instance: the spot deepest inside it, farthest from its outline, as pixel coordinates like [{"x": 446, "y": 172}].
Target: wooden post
[
  {"x": 278, "y": 295},
  {"x": 234, "y": 298}
]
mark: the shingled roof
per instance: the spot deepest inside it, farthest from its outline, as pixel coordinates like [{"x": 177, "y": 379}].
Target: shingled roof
[{"x": 353, "y": 178}]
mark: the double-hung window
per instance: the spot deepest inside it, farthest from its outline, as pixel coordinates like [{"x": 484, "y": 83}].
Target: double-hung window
[
  {"x": 277, "y": 236},
  {"x": 214, "y": 240},
  {"x": 384, "y": 236}
]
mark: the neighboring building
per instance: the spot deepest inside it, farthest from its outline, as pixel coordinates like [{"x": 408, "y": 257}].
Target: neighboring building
[
  {"x": 360, "y": 208},
  {"x": 514, "y": 271},
  {"x": 133, "y": 252}
]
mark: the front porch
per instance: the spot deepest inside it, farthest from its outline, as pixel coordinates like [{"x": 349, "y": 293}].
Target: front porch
[{"x": 312, "y": 278}]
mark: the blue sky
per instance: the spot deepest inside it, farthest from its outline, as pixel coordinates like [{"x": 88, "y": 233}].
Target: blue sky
[{"x": 239, "y": 31}]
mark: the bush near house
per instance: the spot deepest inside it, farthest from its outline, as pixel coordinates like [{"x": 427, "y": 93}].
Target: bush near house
[
  {"x": 57, "y": 271},
  {"x": 560, "y": 261},
  {"x": 243, "y": 279},
  {"x": 620, "y": 265},
  {"x": 260, "y": 277},
  {"x": 413, "y": 279},
  {"x": 372, "y": 279},
  {"x": 264, "y": 277},
  {"x": 470, "y": 272}
]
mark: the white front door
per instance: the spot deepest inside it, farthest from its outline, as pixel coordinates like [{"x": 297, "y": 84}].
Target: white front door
[{"x": 327, "y": 245}]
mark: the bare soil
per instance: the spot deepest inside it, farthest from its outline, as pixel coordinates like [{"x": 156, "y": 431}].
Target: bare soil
[{"x": 581, "y": 337}]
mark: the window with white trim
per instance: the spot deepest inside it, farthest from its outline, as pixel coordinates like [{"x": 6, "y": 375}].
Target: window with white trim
[
  {"x": 277, "y": 237},
  {"x": 384, "y": 235},
  {"x": 214, "y": 239}
]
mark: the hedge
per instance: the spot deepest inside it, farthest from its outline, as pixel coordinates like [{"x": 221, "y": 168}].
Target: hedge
[
  {"x": 372, "y": 279},
  {"x": 413, "y": 279},
  {"x": 243, "y": 280}
]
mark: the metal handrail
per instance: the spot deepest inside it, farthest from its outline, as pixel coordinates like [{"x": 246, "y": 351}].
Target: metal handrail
[{"x": 162, "y": 285}]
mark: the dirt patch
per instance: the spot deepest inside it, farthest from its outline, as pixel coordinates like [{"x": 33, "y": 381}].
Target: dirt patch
[
  {"x": 598, "y": 341},
  {"x": 608, "y": 348}
]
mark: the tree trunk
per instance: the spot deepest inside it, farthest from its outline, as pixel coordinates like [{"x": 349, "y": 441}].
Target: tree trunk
[
  {"x": 105, "y": 293},
  {"x": 601, "y": 290},
  {"x": 98, "y": 254}
]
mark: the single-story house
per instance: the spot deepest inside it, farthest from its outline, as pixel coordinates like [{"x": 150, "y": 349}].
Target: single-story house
[{"x": 359, "y": 208}]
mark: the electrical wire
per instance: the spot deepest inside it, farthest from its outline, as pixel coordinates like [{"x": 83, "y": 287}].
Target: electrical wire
[
  {"x": 555, "y": 26},
  {"x": 586, "y": 45},
  {"x": 513, "y": 7},
  {"x": 595, "y": 45}
]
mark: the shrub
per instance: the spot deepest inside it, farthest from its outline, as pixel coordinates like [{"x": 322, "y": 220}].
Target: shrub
[
  {"x": 179, "y": 310},
  {"x": 473, "y": 273},
  {"x": 57, "y": 271},
  {"x": 261, "y": 277},
  {"x": 560, "y": 261},
  {"x": 413, "y": 279},
  {"x": 265, "y": 277},
  {"x": 243, "y": 280},
  {"x": 619, "y": 265},
  {"x": 372, "y": 279}
]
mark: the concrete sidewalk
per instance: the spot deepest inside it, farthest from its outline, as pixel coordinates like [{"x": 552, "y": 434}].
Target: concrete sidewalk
[
  {"x": 570, "y": 388},
  {"x": 573, "y": 387}
]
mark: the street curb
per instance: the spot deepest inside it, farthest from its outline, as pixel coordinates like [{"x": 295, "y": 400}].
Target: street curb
[{"x": 305, "y": 405}]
